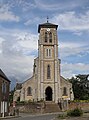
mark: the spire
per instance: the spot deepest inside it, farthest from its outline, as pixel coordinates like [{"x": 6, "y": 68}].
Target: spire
[{"x": 47, "y": 19}]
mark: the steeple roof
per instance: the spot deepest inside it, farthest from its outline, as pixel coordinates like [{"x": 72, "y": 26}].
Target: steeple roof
[
  {"x": 3, "y": 75},
  {"x": 47, "y": 25}
]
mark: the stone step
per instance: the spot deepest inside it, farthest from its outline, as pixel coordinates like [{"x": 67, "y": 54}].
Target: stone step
[{"x": 51, "y": 107}]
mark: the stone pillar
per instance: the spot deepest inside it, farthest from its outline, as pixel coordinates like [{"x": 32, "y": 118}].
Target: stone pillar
[
  {"x": 56, "y": 71},
  {"x": 38, "y": 89},
  {"x": 56, "y": 92},
  {"x": 42, "y": 93},
  {"x": 41, "y": 52},
  {"x": 53, "y": 94},
  {"x": 55, "y": 51},
  {"x": 40, "y": 74},
  {"x": 56, "y": 82},
  {"x": 59, "y": 89}
]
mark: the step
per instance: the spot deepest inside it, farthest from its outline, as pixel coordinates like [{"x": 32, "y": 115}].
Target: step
[{"x": 51, "y": 107}]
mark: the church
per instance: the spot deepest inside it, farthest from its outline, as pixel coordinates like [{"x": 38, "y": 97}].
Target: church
[{"x": 46, "y": 83}]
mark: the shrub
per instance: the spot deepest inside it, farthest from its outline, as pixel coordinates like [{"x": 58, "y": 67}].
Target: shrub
[
  {"x": 61, "y": 116},
  {"x": 75, "y": 112}
]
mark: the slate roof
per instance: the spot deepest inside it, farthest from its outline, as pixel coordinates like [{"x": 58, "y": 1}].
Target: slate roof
[
  {"x": 3, "y": 75},
  {"x": 47, "y": 25}
]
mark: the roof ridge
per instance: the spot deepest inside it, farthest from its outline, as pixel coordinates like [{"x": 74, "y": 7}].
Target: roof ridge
[{"x": 3, "y": 75}]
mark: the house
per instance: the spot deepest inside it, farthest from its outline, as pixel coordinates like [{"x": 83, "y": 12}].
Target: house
[{"x": 4, "y": 94}]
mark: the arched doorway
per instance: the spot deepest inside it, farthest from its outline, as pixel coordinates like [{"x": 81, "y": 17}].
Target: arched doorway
[{"x": 48, "y": 94}]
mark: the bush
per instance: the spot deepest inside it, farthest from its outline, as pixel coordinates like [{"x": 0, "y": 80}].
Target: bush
[
  {"x": 61, "y": 116},
  {"x": 75, "y": 112}
]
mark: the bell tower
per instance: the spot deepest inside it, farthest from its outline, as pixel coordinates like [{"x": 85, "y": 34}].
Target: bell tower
[{"x": 48, "y": 63}]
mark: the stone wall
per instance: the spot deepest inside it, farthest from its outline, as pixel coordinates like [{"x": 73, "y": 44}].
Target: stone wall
[
  {"x": 37, "y": 108},
  {"x": 32, "y": 108},
  {"x": 83, "y": 105}
]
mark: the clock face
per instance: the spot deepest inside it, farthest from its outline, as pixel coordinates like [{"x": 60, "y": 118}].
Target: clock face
[{"x": 48, "y": 29}]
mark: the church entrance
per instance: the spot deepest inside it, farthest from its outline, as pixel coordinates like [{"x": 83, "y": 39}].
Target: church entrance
[{"x": 48, "y": 94}]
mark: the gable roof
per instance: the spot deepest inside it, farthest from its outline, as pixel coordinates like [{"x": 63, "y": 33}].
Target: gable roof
[
  {"x": 47, "y": 25},
  {"x": 62, "y": 79},
  {"x": 3, "y": 75}
]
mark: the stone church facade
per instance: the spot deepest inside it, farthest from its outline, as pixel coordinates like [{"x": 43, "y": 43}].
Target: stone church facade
[{"x": 46, "y": 83}]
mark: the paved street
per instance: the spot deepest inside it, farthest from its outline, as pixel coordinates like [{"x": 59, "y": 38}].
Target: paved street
[{"x": 36, "y": 117}]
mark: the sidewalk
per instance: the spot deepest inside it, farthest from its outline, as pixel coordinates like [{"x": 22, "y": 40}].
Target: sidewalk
[
  {"x": 9, "y": 117},
  {"x": 28, "y": 114}
]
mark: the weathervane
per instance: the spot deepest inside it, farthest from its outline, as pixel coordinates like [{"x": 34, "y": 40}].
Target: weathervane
[{"x": 47, "y": 19}]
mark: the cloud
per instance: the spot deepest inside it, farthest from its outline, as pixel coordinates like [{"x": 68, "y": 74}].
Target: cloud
[
  {"x": 1, "y": 40},
  {"x": 71, "y": 44},
  {"x": 20, "y": 42},
  {"x": 72, "y": 21},
  {"x": 6, "y": 14},
  {"x": 19, "y": 67},
  {"x": 24, "y": 5},
  {"x": 59, "y": 5},
  {"x": 32, "y": 21},
  {"x": 14, "y": 58},
  {"x": 69, "y": 69},
  {"x": 71, "y": 48},
  {"x": 27, "y": 41}
]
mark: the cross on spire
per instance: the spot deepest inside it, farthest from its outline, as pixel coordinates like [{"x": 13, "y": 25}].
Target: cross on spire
[{"x": 47, "y": 19}]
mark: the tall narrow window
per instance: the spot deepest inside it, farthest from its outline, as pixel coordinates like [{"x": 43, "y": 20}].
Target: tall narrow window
[
  {"x": 49, "y": 52},
  {"x": 29, "y": 91},
  {"x": 45, "y": 36},
  {"x": 3, "y": 87},
  {"x": 48, "y": 72},
  {"x": 50, "y": 37},
  {"x": 64, "y": 91}
]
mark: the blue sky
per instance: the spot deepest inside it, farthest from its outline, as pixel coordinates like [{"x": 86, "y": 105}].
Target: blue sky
[{"x": 19, "y": 20}]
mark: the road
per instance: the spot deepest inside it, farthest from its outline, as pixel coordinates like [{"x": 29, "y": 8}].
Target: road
[{"x": 35, "y": 117}]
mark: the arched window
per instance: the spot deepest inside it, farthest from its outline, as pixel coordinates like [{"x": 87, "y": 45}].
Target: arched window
[
  {"x": 45, "y": 36},
  {"x": 48, "y": 72},
  {"x": 50, "y": 37},
  {"x": 64, "y": 91},
  {"x": 29, "y": 91}
]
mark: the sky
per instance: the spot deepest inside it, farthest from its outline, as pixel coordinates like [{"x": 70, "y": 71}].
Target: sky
[{"x": 19, "y": 20}]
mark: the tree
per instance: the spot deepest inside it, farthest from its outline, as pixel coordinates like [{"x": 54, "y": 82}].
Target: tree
[
  {"x": 80, "y": 86},
  {"x": 11, "y": 95}
]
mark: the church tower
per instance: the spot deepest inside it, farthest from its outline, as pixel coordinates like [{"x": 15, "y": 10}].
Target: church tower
[
  {"x": 48, "y": 63},
  {"x": 46, "y": 82}
]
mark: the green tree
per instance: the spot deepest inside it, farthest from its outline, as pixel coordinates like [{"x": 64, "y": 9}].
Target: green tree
[
  {"x": 11, "y": 96},
  {"x": 80, "y": 86}
]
